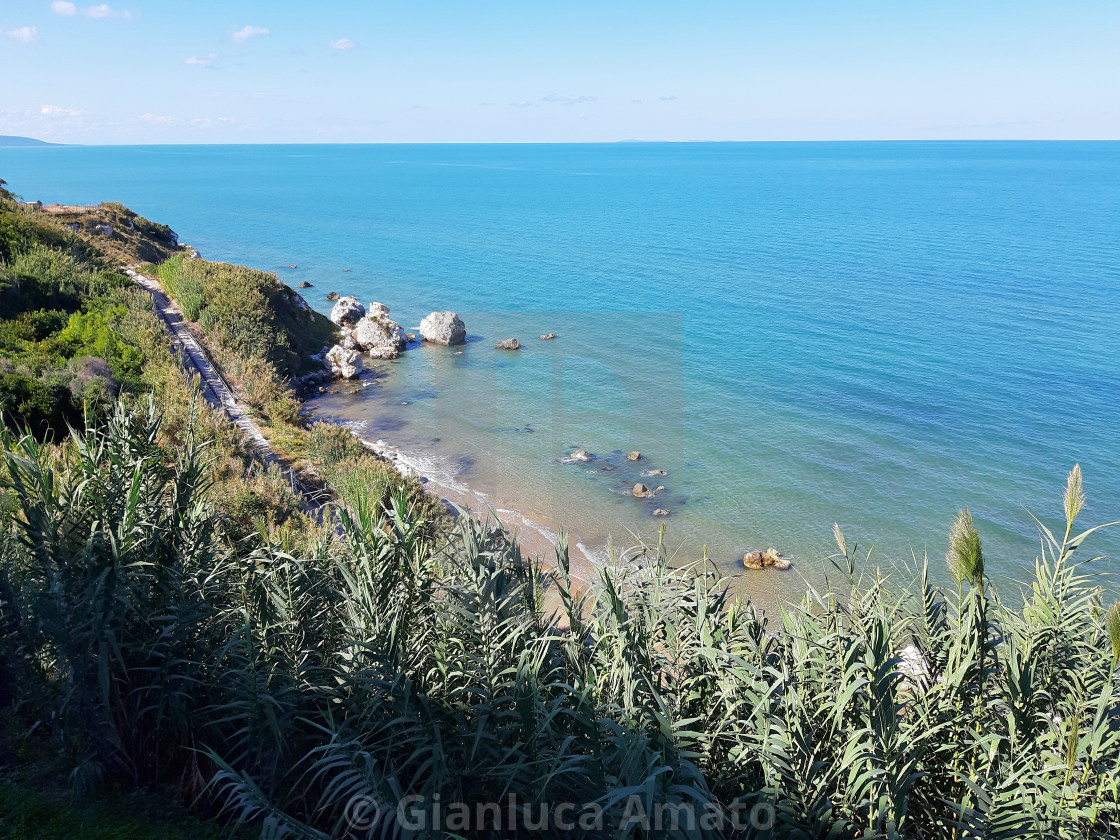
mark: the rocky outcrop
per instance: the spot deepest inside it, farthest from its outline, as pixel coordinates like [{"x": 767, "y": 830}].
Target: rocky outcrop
[
  {"x": 376, "y": 308},
  {"x": 347, "y": 311},
  {"x": 344, "y": 364},
  {"x": 769, "y": 559},
  {"x": 443, "y": 328},
  {"x": 381, "y": 336},
  {"x": 508, "y": 344}
]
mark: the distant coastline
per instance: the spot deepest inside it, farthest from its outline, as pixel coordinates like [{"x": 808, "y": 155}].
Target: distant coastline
[{"x": 16, "y": 140}]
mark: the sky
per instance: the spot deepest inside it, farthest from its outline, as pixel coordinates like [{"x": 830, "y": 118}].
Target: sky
[{"x": 141, "y": 71}]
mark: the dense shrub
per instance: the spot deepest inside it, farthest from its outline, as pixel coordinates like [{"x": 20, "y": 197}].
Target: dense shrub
[{"x": 43, "y": 407}]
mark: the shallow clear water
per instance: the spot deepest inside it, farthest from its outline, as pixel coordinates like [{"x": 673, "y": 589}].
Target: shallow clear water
[{"x": 873, "y": 333}]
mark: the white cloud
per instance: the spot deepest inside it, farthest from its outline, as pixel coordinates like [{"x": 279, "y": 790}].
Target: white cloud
[
  {"x": 243, "y": 35},
  {"x": 557, "y": 99},
  {"x": 55, "y": 111},
  {"x": 64, "y": 9},
  {"x": 158, "y": 119},
  {"x": 207, "y": 122},
  {"x": 342, "y": 44},
  {"x": 27, "y": 34},
  {"x": 201, "y": 59},
  {"x": 105, "y": 11}
]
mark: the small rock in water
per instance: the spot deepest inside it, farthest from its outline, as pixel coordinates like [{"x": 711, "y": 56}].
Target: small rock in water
[
  {"x": 661, "y": 512},
  {"x": 293, "y": 265},
  {"x": 769, "y": 559},
  {"x": 548, "y": 336},
  {"x": 659, "y": 488},
  {"x": 648, "y": 473},
  {"x": 305, "y": 285},
  {"x": 345, "y": 269},
  {"x": 332, "y": 295},
  {"x": 410, "y": 336},
  {"x": 508, "y": 344},
  {"x": 581, "y": 455},
  {"x": 635, "y": 456},
  {"x": 640, "y": 491}
]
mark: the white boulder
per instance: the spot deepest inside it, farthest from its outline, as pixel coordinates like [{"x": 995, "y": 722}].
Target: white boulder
[
  {"x": 381, "y": 336},
  {"x": 443, "y": 328},
  {"x": 347, "y": 311},
  {"x": 344, "y": 364}
]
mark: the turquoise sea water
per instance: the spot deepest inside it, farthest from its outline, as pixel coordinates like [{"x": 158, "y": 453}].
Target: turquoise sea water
[{"x": 873, "y": 333}]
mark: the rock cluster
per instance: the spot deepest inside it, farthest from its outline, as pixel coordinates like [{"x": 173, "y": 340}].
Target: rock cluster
[
  {"x": 769, "y": 559},
  {"x": 443, "y": 328}
]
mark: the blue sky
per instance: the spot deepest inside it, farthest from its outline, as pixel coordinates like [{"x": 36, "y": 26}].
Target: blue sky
[{"x": 139, "y": 71}]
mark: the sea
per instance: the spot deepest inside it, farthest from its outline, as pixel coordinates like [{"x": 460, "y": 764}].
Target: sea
[{"x": 797, "y": 334}]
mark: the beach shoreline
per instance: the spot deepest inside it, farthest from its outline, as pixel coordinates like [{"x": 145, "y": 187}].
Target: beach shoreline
[{"x": 537, "y": 538}]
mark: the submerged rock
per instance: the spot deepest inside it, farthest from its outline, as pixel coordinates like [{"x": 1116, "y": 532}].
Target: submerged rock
[
  {"x": 661, "y": 512},
  {"x": 443, "y": 328},
  {"x": 381, "y": 336},
  {"x": 347, "y": 311},
  {"x": 345, "y": 364},
  {"x": 648, "y": 473},
  {"x": 580, "y": 455},
  {"x": 508, "y": 344}
]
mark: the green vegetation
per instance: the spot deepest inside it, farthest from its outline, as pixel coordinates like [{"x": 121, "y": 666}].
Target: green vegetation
[
  {"x": 261, "y": 331},
  {"x": 359, "y": 478},
  {"x": 69, "y": 329},
  {"x": 286, "y": 683}
]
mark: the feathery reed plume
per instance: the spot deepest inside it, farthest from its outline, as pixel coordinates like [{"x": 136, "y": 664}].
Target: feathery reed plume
[
  {"x": 965, "y": 558},
  {"x": 1074, "y": 498},
  {"x": 1112, "y": 625}
]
